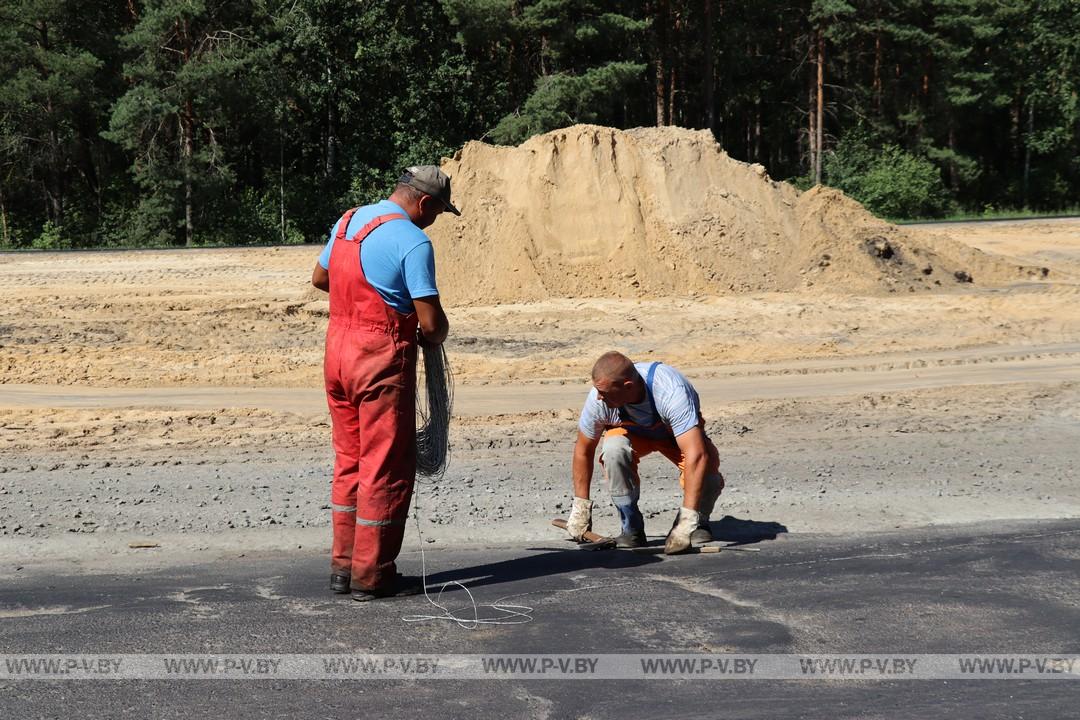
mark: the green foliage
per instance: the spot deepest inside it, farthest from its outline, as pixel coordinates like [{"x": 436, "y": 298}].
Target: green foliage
[
  {"x": 51, "y": 238},
  {"x": 900, "y": 184},
  {"x": 187, "y": 73},
  {"x": 162, "y": 122},
  {"x": 153, "y": 222},
  {"x": 260, "y": 221},
  {"x": 561, "y": 100},
  {"x": 888, "y": 180},
  {"x": 589, "y": 61},
  {"x": 54, "y": 90}
]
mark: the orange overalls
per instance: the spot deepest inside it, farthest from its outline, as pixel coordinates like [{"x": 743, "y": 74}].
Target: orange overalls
[{"x": 370, "y": 375}]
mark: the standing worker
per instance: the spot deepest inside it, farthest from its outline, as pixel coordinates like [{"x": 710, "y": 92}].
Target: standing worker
[
  {"x": 379, "y": 268},
  {"x": 639, "y": 409}
]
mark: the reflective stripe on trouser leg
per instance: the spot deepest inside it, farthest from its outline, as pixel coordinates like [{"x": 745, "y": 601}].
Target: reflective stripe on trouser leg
[
  {"x": 378, "y": 523},
  {"x": 343, "y": 491},
  {"x": 387, "y": 473}
]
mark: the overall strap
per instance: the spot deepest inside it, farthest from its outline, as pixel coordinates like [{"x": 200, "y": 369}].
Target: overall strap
[
  {"x": 648, "y": 391},
  {"x": 376, "y": 222},
  {"x": 624, "y": 416},
  {"x": 343, "y": 225}
]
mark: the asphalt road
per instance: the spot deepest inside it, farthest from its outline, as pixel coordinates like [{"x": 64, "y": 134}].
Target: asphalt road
[{"x": 969, "y": 589}]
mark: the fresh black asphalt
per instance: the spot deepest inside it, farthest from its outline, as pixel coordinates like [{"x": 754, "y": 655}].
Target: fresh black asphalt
[{"x": 989, "y": 588}]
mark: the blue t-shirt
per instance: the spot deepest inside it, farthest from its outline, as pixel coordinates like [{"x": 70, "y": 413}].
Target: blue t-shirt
[{"x": 397, "y": 257}]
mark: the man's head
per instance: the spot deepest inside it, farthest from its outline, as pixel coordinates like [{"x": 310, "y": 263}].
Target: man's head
[
  {"x": 616, "y": 380},
  {"x": 423, "y": 191}
]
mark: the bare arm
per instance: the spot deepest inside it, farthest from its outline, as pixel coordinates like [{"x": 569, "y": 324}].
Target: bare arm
[
  {"x": 695, "y": 461},
  {"x": 434, "y": 326},
  {"x": 320, "y": 278},
  {"x": 584, "y": 454}
]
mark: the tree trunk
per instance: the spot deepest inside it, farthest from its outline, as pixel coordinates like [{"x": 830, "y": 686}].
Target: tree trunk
[
  {"x": 708, "y": 75},
  {"x": 1015, "y": 139},
  {"x": 54, "y": 187},
  {"x": 925, "y": 91},
  {"x": 281, "y": 176},
  {"x": 5, "y": 238},
  {"x": 186, "y": 127},
  {"x": 811, "y": 114},
  {"x": 718, "y": 83},
  {"x": 877, "y": 73},
  {"x": 331, "y": 126},
  {"x": 676, "y": 60},
  {"x": 54, "y": 174},
  {"x": 1027, "y": 152},
  {"x": 512, "y": 76},
  {"x": 819, "y": 140},
  {"x": 672, "y": 92},
  {"x": 660, "y": 50},
  {"x": 757, "y": 129},
  {"x": 954, "y": 181},
  {"x": 187, "y": 145},
  {"x": 746, "y": 139}
]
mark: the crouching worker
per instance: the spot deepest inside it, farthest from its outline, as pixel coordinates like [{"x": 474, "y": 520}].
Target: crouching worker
[{"x": 637, "y": 409}]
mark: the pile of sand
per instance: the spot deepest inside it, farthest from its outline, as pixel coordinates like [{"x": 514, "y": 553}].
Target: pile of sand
[{"x": 590, "y": 211}]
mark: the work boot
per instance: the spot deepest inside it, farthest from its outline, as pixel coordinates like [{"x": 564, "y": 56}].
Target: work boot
[
  {"x": 678, "y": 540},
  {"x": 714, "y": 484},
  {"x": 402, "y": 586},
  {"x": 633, "y": 524},
  {"x": 702, "y": 533},
  {"x": 339, "y": 582},
  {"x": 631, "y": 539}
]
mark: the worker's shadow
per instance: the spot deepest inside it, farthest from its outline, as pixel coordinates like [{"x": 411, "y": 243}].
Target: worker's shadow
[
  {"x": 547, "y": 564},
  {"x": 745, "y": 532},
  {"x": 558, "y": 561}
]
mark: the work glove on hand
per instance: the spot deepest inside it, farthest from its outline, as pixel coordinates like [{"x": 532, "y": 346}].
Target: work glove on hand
[
  {"x": 580, "y": 520},
  {"x": 678, "y": 540}
]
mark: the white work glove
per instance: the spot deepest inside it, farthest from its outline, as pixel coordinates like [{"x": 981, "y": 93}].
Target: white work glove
[
  {"x": 678, "y": 540},
  {"x": 580, "y": 520}
]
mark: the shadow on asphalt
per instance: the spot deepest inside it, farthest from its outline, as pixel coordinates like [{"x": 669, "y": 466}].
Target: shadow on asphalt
[
  {"x": 556, "y": 561},
  {"x": 745, "y": 532},
  {"x": 549, "y": 563}
]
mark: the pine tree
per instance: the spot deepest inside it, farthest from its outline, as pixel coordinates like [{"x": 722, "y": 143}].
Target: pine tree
[
  {"x": 51, "y": 104},
  {"x": 185, "y": 90},
  {"x": 588, "y": 61}
]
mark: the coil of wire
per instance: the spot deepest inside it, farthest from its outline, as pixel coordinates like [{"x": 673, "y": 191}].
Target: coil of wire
[{"x": 434, "y": 401}]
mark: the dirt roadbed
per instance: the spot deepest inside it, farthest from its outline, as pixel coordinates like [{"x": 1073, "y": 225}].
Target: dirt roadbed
[{"x": 173, "y": 398}]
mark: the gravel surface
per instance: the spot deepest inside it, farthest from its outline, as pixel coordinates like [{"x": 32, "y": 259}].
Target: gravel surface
[{"x": 81, "y": 485}]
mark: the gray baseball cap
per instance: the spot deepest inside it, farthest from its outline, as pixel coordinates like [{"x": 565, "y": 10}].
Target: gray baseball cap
[{"x": 430, "y": 180}]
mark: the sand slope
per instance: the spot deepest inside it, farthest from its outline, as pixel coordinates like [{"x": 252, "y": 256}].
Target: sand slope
[{"x": 590, "y": 211}]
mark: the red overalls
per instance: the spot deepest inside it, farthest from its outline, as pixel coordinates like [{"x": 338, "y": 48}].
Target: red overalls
[{"x": 370, "y": 374}]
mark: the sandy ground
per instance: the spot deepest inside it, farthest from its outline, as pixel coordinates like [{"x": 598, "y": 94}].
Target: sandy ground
[
  {"x": 171, "y": 398},
  {"x": 1034, "y": 242}
]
